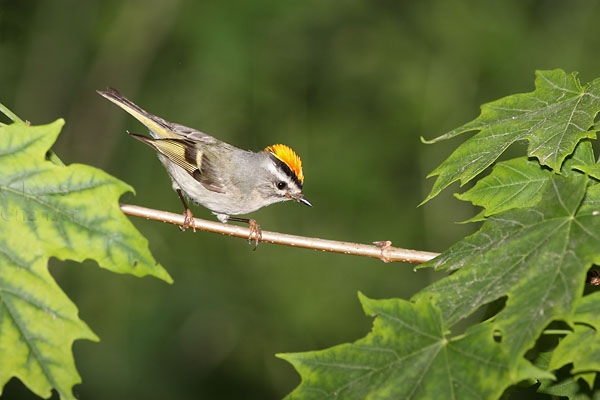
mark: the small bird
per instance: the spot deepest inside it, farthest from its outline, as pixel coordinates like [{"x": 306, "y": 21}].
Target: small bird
[{"x": 223, "y": 178}]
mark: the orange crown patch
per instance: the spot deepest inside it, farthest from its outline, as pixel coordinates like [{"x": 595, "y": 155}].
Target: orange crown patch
[{"x": 288, "y": 157}]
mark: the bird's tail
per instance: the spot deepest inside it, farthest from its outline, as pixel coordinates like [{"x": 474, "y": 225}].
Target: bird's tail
[{"x": 158, "y": 126}]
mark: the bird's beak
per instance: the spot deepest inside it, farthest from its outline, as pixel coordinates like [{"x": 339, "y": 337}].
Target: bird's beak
[{"x": 299, "y": 198}]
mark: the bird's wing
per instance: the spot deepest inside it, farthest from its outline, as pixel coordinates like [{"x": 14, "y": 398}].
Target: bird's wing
[
  {"x": 188, "y": 156},
  {"x": 193, "y": 134}
]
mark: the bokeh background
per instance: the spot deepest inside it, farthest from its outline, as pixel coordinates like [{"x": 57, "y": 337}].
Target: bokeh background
[{"x": 350, "y": 85}]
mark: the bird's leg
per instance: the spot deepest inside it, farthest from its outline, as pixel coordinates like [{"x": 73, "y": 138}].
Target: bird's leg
[
  {"x": 188, "y": 220},
  {"x": 254, "y": 229}
]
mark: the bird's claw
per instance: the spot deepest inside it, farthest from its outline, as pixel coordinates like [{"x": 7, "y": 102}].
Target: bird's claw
[
  {"x": 188, "y": 220},
  {"x": 256, "y": 232}
]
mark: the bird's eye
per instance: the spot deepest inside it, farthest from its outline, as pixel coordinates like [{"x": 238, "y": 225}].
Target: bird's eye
[{"x": 281, "y": 185}]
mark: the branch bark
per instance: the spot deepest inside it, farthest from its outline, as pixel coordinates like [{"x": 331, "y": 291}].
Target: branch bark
[{"x": 382, "y": 250}]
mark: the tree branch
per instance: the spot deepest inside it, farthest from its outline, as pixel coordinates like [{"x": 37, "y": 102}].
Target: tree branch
[{"x": 382, "y": 250}]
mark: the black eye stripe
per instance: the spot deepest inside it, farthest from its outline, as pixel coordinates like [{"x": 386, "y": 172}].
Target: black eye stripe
[{"x": 283, "y": 166}]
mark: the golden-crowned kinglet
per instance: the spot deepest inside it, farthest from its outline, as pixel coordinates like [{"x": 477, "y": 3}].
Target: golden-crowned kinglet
[{"x": 226, "y": 180}]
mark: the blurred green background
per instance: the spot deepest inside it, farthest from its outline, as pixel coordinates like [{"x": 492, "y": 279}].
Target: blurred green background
[{"x": 350, "y": 85}]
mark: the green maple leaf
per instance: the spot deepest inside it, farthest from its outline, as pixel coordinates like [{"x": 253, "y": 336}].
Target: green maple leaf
[
  {"x": 67, "y": 212},
  {"x": 573, "y": 387},
  {"x": 589, "y": 167},
  {"x": 520, "y": 182},
  {"x": 537, "y": 257},
  {"x": 569, "y": 388},
  {"x": 581, "y": 347},
  {"x": 592, "y": 170},
  {"x": 553, "y": 119},
  {"x": 408, "y": 356},
  {"x": 583, "y": 156},
  {"x": 515, "y": 183}
]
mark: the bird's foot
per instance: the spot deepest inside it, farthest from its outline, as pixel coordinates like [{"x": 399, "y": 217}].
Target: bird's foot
[
  {"x": 188, "y": 217},
  {"x": 188, "y": 220},
  {"x": 254, "y": 230}
]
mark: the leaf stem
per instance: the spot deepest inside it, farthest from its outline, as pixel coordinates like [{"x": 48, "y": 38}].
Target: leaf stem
[
  {"x": 13, "y": 117},
  {"x": 556, "y": 332},
  {"x": 385, "y": 253},
  {"x": 52, "y": 157}
]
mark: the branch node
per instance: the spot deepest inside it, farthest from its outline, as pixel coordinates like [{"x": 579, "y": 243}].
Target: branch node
[{"x": 383, "y": 245}]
